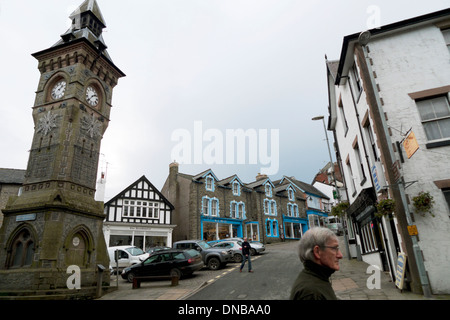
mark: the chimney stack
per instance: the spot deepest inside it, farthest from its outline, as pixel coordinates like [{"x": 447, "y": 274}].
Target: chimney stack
[{"x": 260, "y": 176}]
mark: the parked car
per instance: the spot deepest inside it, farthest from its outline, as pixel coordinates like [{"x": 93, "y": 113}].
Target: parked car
[
  {"x": 256, "y": 246},
  {"x": 234, "y": 245},
  {"x": 166, "y": 262},
  {"x": 155, "y": 249},
  {"x": 128, "y": 256},
  {"x": 214, "y": 258},
  {"x": 336, "y": 228}
]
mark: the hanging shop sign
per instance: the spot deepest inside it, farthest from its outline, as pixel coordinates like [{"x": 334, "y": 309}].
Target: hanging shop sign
[{"x": 410, "y": 144}]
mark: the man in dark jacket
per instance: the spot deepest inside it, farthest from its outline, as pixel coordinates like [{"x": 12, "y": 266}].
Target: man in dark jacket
[
  {"x": 319, "y": 252},
  {"x": 246, "y": 253}
]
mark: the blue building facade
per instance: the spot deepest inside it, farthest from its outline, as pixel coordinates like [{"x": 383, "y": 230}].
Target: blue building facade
[{"x": 210, "y": 208}]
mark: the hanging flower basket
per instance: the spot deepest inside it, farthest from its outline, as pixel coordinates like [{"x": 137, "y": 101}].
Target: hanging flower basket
[
  {"x": 423, "y": 203},
  {"x": 340, "y": 209},
  {"x": 385, "y": 207}
]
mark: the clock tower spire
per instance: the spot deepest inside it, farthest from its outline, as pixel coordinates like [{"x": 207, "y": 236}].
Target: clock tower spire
[{"x": 56, "y": 223}]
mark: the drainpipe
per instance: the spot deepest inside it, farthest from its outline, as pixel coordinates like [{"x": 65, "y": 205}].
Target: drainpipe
[{"x": 363, "y": 41}]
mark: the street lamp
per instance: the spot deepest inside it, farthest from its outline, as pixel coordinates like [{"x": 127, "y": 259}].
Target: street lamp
[
  {"x": 329, "y": 152},
  {"x": 335, "y": 182}
]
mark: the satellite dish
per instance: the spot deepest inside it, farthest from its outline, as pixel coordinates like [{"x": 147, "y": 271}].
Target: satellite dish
[{"x": 364, "y": 38}]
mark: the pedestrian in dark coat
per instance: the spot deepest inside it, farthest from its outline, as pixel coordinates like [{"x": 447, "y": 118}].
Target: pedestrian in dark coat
[
  {"x": 319, "y": 252},
  {"x": 246, "y": 254}
]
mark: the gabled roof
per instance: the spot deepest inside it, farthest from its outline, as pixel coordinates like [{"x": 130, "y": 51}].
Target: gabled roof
[
  {"x": 204, "y": 174},
  {"x": 332, "y": 67},
  {"x": 230, "y": 180},
  {"x": 284, "y": 187},
  {"x": 12, "y": 176},
  {"x": 259, "y": 183},
  {"x": 305, "y": 187},
  {"x": 131, "y": 186}
]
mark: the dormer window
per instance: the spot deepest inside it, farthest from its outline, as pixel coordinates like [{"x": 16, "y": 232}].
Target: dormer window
[
  {"x": 209, "y": 183},
  {"x": 268, "y": 189},
  {"x": 236, "y": 188},
  {"x": 291, "y": 194}
]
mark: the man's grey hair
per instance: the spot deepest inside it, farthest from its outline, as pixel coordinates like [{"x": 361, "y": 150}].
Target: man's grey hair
[{"x": 317, "y": 236}]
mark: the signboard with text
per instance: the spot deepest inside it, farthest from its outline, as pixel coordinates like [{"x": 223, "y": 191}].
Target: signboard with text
[
  {"x": 400, "y": 272},
  {"x": 410, "y": 144}
]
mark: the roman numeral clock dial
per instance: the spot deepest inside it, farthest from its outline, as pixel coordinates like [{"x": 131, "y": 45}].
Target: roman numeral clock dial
[
  {"x": 59, "y": 89},
  {"x": 91, "y": 96}
]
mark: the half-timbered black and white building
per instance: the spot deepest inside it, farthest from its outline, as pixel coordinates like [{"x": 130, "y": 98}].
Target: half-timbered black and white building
[{"x": 139, "y": 215}]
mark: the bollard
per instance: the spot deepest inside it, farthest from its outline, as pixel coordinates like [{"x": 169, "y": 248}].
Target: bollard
[
  {"x": 101, "y": 268},
  {"x": 174, "y": 281}
]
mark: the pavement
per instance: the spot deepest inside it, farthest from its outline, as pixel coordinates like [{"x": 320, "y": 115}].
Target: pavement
[{"x": 350, "y": 283}]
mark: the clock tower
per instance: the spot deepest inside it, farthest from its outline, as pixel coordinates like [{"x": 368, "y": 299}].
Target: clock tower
[{"x": 55, "y": 223}]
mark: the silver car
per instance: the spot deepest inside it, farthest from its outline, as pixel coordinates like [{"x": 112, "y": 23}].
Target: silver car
[
  {"x": 234, "y": 245},
  {"x": 256, "y": 246}
]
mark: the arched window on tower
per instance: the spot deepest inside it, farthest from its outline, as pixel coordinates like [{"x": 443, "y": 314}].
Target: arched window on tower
[{"x": 22, "y": 250}]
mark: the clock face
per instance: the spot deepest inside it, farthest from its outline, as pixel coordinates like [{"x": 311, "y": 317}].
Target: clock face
[
  {"x": 91, "y": 96},
  {"x": 59, "y": 89}
]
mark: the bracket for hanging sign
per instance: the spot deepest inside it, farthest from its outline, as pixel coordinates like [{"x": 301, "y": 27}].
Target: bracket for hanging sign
[{"x": 412, "y": 230}]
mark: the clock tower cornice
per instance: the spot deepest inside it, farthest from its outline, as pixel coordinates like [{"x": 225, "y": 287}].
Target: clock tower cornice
[{"x": 79, "y": 51}]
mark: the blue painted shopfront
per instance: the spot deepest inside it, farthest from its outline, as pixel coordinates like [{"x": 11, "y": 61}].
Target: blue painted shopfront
[
  {"x": 293, "y": 227},
  {"x": 316, "y": 218},
  {"x": 220, "y": 228}
]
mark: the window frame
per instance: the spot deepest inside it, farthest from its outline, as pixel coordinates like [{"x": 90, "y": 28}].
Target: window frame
[
  {"x": 25, "y": 256},
  {"x": 420, "y": 103},
  {"x": 268, "y": 190},
  {"x": 209, "y": 183},
  {"x": 141, "y": 209},
  {"x": 211, "y": 205},
  {"x": 236, "y": 187}
]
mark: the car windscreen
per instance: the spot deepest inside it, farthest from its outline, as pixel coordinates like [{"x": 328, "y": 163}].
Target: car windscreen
[
  {"x": 134, "y": 251},
  {"x": 203, "y": 244},
  {"x": 191, "y": 252}
]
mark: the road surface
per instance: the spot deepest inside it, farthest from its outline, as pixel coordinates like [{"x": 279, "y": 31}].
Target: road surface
[{"x": 274, "y": 273}]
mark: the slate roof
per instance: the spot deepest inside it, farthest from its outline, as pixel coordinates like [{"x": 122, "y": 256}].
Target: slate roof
[
  {"x": 75, "y": 32},
  {"x": 12, "y": 176},
  {"x": 307, "y": 187}
]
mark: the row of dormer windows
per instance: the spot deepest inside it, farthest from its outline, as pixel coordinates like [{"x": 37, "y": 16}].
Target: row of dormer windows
[{"x": 236, "y": 188}]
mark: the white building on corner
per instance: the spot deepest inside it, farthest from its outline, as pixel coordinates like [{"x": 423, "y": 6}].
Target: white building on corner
[{"x": 390, "y": 85}]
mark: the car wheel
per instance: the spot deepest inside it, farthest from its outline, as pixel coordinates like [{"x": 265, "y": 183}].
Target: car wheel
[
  {"x": 130, "y": 277},
  {"x": 237, "y": 257},
  {"x": 213, "y": 264},
  {"x": 175, "y": 273},
  {"x": 253, "y": 252}
]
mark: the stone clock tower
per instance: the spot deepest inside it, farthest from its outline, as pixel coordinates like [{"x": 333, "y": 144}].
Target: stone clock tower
[{"x": 55, "y": 223}]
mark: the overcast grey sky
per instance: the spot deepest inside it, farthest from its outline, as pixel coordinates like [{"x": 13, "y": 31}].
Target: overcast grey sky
[{"x": 226, "y": 64}]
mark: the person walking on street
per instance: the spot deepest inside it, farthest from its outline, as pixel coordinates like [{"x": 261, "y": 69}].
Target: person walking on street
[
  {"x": 246, "y": 255},
  {"x": 319, "y": 252}
]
